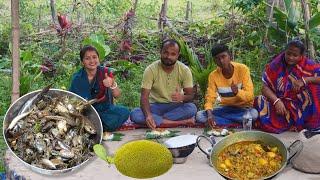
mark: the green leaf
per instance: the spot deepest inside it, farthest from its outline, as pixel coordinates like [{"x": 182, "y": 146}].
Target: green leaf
[
  {"x": 110, "y": 160},
  {"x": 97, "y": 37},
  {"x": 293, "y": 15},
  {"x": 25, "y": 83},
  {"x": 10, "y": 47},
  {"x": 188, "y": 54},
  {"x": 315, "y": 36},
  {"x": 276, "y": 34},
  {"x": 98, "y": 42},
  {"x": 199, "y": 72},
  {"x": 314, "y": 21},
  {"x": 281, "y": 18},
  {"x": 172, "y": 133},
  {"x": 26, "y": 55},
  {"x": 150, "y": 136},
  {"x": 101, "y": 152},
  {"x": 117, "y": 136},
  {"x": 37, "y": 127},
  {"x": 250, "y": 42},
  {"x": 288, "y": 4}
]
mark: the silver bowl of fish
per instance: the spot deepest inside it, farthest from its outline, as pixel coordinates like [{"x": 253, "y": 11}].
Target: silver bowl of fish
[{"x": 52, "y": 131}]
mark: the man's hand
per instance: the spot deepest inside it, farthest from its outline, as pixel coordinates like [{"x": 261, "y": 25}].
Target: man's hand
[
  {"x": 211, "y": 121},
  {"x": 296, "y": 84},
  {"x": 108, "y": 81},
  {"x": 150, "y": 122},
  {"x": 177, "y": 96},
  {"x": 234, "y": 88}
]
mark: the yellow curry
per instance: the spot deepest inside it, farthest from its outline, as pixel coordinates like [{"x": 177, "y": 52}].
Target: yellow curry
[{"x": 249, "y": 160}]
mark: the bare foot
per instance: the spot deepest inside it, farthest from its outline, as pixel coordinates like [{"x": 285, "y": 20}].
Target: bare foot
[
  {"x": 186, "y": 122},
  {"x": 190, "y": 122}
]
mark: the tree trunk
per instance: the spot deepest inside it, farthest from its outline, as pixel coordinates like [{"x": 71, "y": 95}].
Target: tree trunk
[
  {"x": 39, "y": 18},
  {"x": 15, "y": 50},
  {"x": 135, "y": 5},
  {"x": 75, "y": 10},
  {"x": 232, "y": 31},
  {"x": 270, "y": 10},
  {"x": 269, "y": 7},
  {"x": 272, "y": 3},
  {"x": 306, "y": 18},
  {"x": 188, "y": 11},
  {"x": 53, "y": 11},
  {"x": 163, "y": 18}
]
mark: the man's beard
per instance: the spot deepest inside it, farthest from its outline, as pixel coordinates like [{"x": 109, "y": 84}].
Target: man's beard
[{"x": 168, "y": 63}]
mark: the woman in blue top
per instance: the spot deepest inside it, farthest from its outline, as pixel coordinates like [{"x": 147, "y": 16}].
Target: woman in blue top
[{"x": 94, "y": 81}]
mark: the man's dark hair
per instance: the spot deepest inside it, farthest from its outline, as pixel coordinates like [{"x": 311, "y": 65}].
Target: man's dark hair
[
  {"x": 219, "y": 48},
  {"x": 170, "y": 42},
  {"x": 85, "y": 49},
  {"x": 296, "y": 43}
]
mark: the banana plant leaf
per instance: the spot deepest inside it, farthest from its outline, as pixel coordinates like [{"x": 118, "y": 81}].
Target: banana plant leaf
[
  {"x": 218, "y": 130},
  {"x": 99, "y": 43},
  {"x": 200, "y": 73},
  {"x": 314, "y": 21},
  {"x": 293, "y": 13},
  {"x": 117, "y": 136}
]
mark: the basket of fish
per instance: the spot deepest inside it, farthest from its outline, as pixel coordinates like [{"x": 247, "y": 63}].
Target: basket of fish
[{"x": 52, "y": 131}]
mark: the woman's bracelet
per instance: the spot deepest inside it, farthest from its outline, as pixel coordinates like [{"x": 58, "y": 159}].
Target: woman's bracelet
[
  {"x": 304, "y": 81},
  {"x": 277, "y": 100},
  {"x": 115, "y": 85}
]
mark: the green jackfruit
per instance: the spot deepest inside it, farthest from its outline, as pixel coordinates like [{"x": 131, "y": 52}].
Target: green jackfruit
[{"x": 143, "y": 159}]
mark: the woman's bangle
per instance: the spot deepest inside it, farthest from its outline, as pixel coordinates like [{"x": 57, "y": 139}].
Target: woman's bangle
[
  {"x": 115, "y": 85},
  {"x": 277, "y": 100},
  {"x": 304, "y": 81}
]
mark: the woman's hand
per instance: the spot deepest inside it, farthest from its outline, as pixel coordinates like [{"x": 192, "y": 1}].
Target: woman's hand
[
  {"x": 296, "y": 84},
  {"x": 280, "y": 108},
  {"x": 108, "y": 81}
]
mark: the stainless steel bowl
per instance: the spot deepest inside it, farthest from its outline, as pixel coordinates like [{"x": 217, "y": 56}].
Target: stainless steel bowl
[
  {"x": 180, "y": 154},
  {"x": 183, "y": 151},
  {"x": 181, "y": 147},
  {"x": 13, "y": 110},
  {"x": 180, "y": 160}
]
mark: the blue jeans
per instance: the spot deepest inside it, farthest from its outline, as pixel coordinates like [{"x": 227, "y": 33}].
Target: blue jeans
[
  {"x": 113, "y": 117},
  {"x": 169, "y": 111},
  {"x": 226, "y": 115}
]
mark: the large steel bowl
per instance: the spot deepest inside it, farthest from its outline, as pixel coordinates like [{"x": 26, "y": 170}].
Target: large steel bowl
[
  {"x": 266, "y": 138},
  {"x": 14, "y": 109}
]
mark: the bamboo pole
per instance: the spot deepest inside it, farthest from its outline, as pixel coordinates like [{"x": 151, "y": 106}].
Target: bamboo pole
[{"x": 15, "y": 50}]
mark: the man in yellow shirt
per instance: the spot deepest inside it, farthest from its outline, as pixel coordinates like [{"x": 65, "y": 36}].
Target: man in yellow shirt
[
  {"x": 232, "y": 82},
  {"x": 166, "y": 91}
]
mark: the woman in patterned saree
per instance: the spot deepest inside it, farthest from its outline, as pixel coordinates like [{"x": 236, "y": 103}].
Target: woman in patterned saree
[{"x": 290, "y": 92}]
